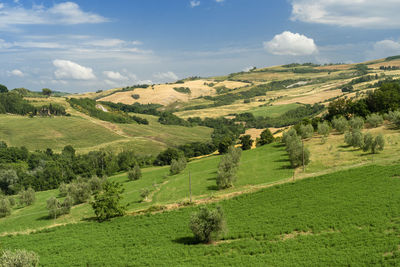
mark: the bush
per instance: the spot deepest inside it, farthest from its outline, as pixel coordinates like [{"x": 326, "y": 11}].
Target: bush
[
  {"x": 107, "y": 203},
  {"x": 5, "y": 207},
  {"x": 356, "y": 123},
  {"x": 95, "y": 184},
  {"x": 27, "y": 197},
  {"x": 19, "y": 258},
  {"x": 79, "y": 191},
  {"x": 246, "y": 142},
  {"x": 135, "y": 173},
  {"x": 177, "y": 166},
  {"x": 306, "y": 131},
  {"x": 227, "y": 168},
  {"x": 63, "y": 188},
  {"x": 324, "y": 130},
  {"x": 56, "y": 208},
  {"x": 394, "y": 117},
  {"x": 266, "y": 137},
  {"x": 378, "y": 144},
  {"x": 340, "y": 124},
  {"x": 207, "y": 224},
  {"x": 374, "y": 120},
  {"x": 144, "y": 193}
]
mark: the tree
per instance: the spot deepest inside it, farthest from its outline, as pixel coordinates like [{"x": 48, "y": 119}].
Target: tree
[
  {"x": 5, "y": 207},
  {"x": 374, "y": 120},
  {"x": 298, "y": 154},
  {"x": 378, "y": 144},
  {"x": 266, "y": 137},
  {"x": 107, "y": 202},
  {"x": 68, "y": 152},
  {"x": 324, "y": 130},
  {"x": 8, "y": 181},
  {"x": 177, "y": 165},
  {"x": 3, "y": 89},
  {"x": 135, "y": 173},
  {"x": 95, "y": 183},
  {"x": 227, "y": 168},
  {"x": 224, "y": 144},
  {"x": 27, "y": 197},
  {"x": 306, "y": 131},
  {"x": 356, "y": 123},
  {"x": 144, "y": 193},
  {"x": 206, "y": 224},
  {"x": 340, "y": 124},
  {"x": 80, "y": 191},
  {"x": 246, "y": 142},
  {"x": 47, "y": 92},
  {"x": 19, "y": 258}
]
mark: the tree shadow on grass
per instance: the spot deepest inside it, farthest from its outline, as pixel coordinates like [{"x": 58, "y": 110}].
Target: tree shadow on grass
[
  {"x": 187, "y": 240},
  {"x": 213, "y": 187},
  {"x": 281, "y": 160},
  {"x": 285, "y": 167},
  {"x": 44, "y": 218}
]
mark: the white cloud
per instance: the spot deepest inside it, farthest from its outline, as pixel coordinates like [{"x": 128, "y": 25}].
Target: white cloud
[
  {"x": 355, "y": 13},
  {"x": 293, "y": 44},
  {"x": 16, "y": 72},
  {"x": 63, "y": 13},
  {"x": 1, "y": 5},
  {"x": 4, "y": 44},
  {"x": 70, "y": 70},
  {"x": 169, "y": 75},
  {"x": 114, "y": 75},
  {"x": 219, "y": 1},
  {"x": 383, "y": 49},
  {"x": 107, "y": 42},
  {"x": 194, "y": 3}
]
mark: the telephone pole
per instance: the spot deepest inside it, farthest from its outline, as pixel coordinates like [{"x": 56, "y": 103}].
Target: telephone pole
[{"x": 190, "y": 187}]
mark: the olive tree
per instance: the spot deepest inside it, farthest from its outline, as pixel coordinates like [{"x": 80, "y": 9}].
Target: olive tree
[
  {"x": 227, "y": 168},
  {"x": 324, "y": 130},
  {"x": 27, "y": 197},
  {"x": 5, "y": 207},
  {"x": 374, "y": 120},
  {"x": 207, "y": 224},
  {"x": 135, "y": 173},
  {"x": 177, "y": 166},
  {"x": 340, "y": 124}
]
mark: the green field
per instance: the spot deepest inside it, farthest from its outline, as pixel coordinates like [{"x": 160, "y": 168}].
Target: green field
[
  {"x": 346, "y": 218},
  {"x": 90, "y": 134},
  {"x": 260, "y": 166},
  {"x": 272, "y": 111}
]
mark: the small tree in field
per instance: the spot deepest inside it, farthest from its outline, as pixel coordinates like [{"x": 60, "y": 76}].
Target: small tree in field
[
  {"x": 177, "y": 166},
  {"x": 144, "y": 193},
  {"x": 135, "y": 173},
  {"x": 206, "y": 224},
  {"x": 19, "y": 258},
  {"x": 246, "y": 142},
  {"x": 227, "y": 168},
  {"x": 266, "y": 137},
  {"x": 27, "y": 197},
  {"x": 5, "y": 207},
  {"x": 340, "y": 124},
  {"x": 324, "y": 130},
  {"x": 374, "y": 120},
  {"x": 107, "y": 203}
]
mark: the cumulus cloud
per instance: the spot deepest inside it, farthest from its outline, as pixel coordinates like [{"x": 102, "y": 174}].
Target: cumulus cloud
[
  {"x": 293, "y": 44},
  {"x": 70, "y": 70},
  {"x": 384, "y": 48},
  {"x": 194, "y": 3},
  {"x": 356, "y": 13},
  {"x": 62, "y": 13},
  {"x": 114, "y": 75},
  {"x": 16, "y": 72},
  {"x": 169, "y": 75}
]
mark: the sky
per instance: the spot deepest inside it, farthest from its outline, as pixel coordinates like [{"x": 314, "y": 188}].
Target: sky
[{"x": 90, "y": 45}]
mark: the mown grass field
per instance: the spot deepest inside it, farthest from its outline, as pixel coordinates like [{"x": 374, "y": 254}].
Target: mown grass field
[
  {"x": 272, "y": 111},
  {"x": 260, "y": 166},
  {"x": 346, "y": 218},
  {"x": 86, "y": 134}
]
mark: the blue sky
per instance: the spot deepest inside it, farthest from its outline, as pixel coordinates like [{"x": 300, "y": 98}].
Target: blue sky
[{"x": 87, "y": 45}]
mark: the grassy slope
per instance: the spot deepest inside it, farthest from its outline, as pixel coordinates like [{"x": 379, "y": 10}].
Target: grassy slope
[
  {"x": 263, "y": 165},
  {"x": 345, "y": 218}
]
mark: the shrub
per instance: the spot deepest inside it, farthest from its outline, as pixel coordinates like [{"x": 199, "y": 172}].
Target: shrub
[
  {"x": 394, "y": 117},
  {"x": 107, "y": 203},
  {"x": 356, "y": 123},
  {"x": 378, "y": 144},
  {"x": 374, "y": 120},
  {"x": 135, "y": 173},
  {"x": 19, "y": 258},
  {"x": 63, "y": 188},
  {"x": 340, "y": 124},
  {"x": 144, "y": 193},
  {"x": 56, "y": 208},
  {"x": 207, "y": 224},
  {"x": 306, "y": 131},
  {"x": 246, "y": 142},
  {"x": 95, "y": 184},
  {"x": 324, "y": 130},
  {"x": 5, "y": 207},
  {"x": 177, "y": 166},
  {"x": 79, "y": 191},
  {"x": 266, "y": 137},
  {"x": 27, "y": 197}
]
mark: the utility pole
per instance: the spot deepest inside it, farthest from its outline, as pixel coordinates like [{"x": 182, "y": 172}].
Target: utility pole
[
  {"x": 190, "y": 187},
  {"x": 302, "y": 147}
]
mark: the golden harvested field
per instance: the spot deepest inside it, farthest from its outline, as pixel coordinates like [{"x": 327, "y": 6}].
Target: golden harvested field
[{"x": 165, "y": 94}]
